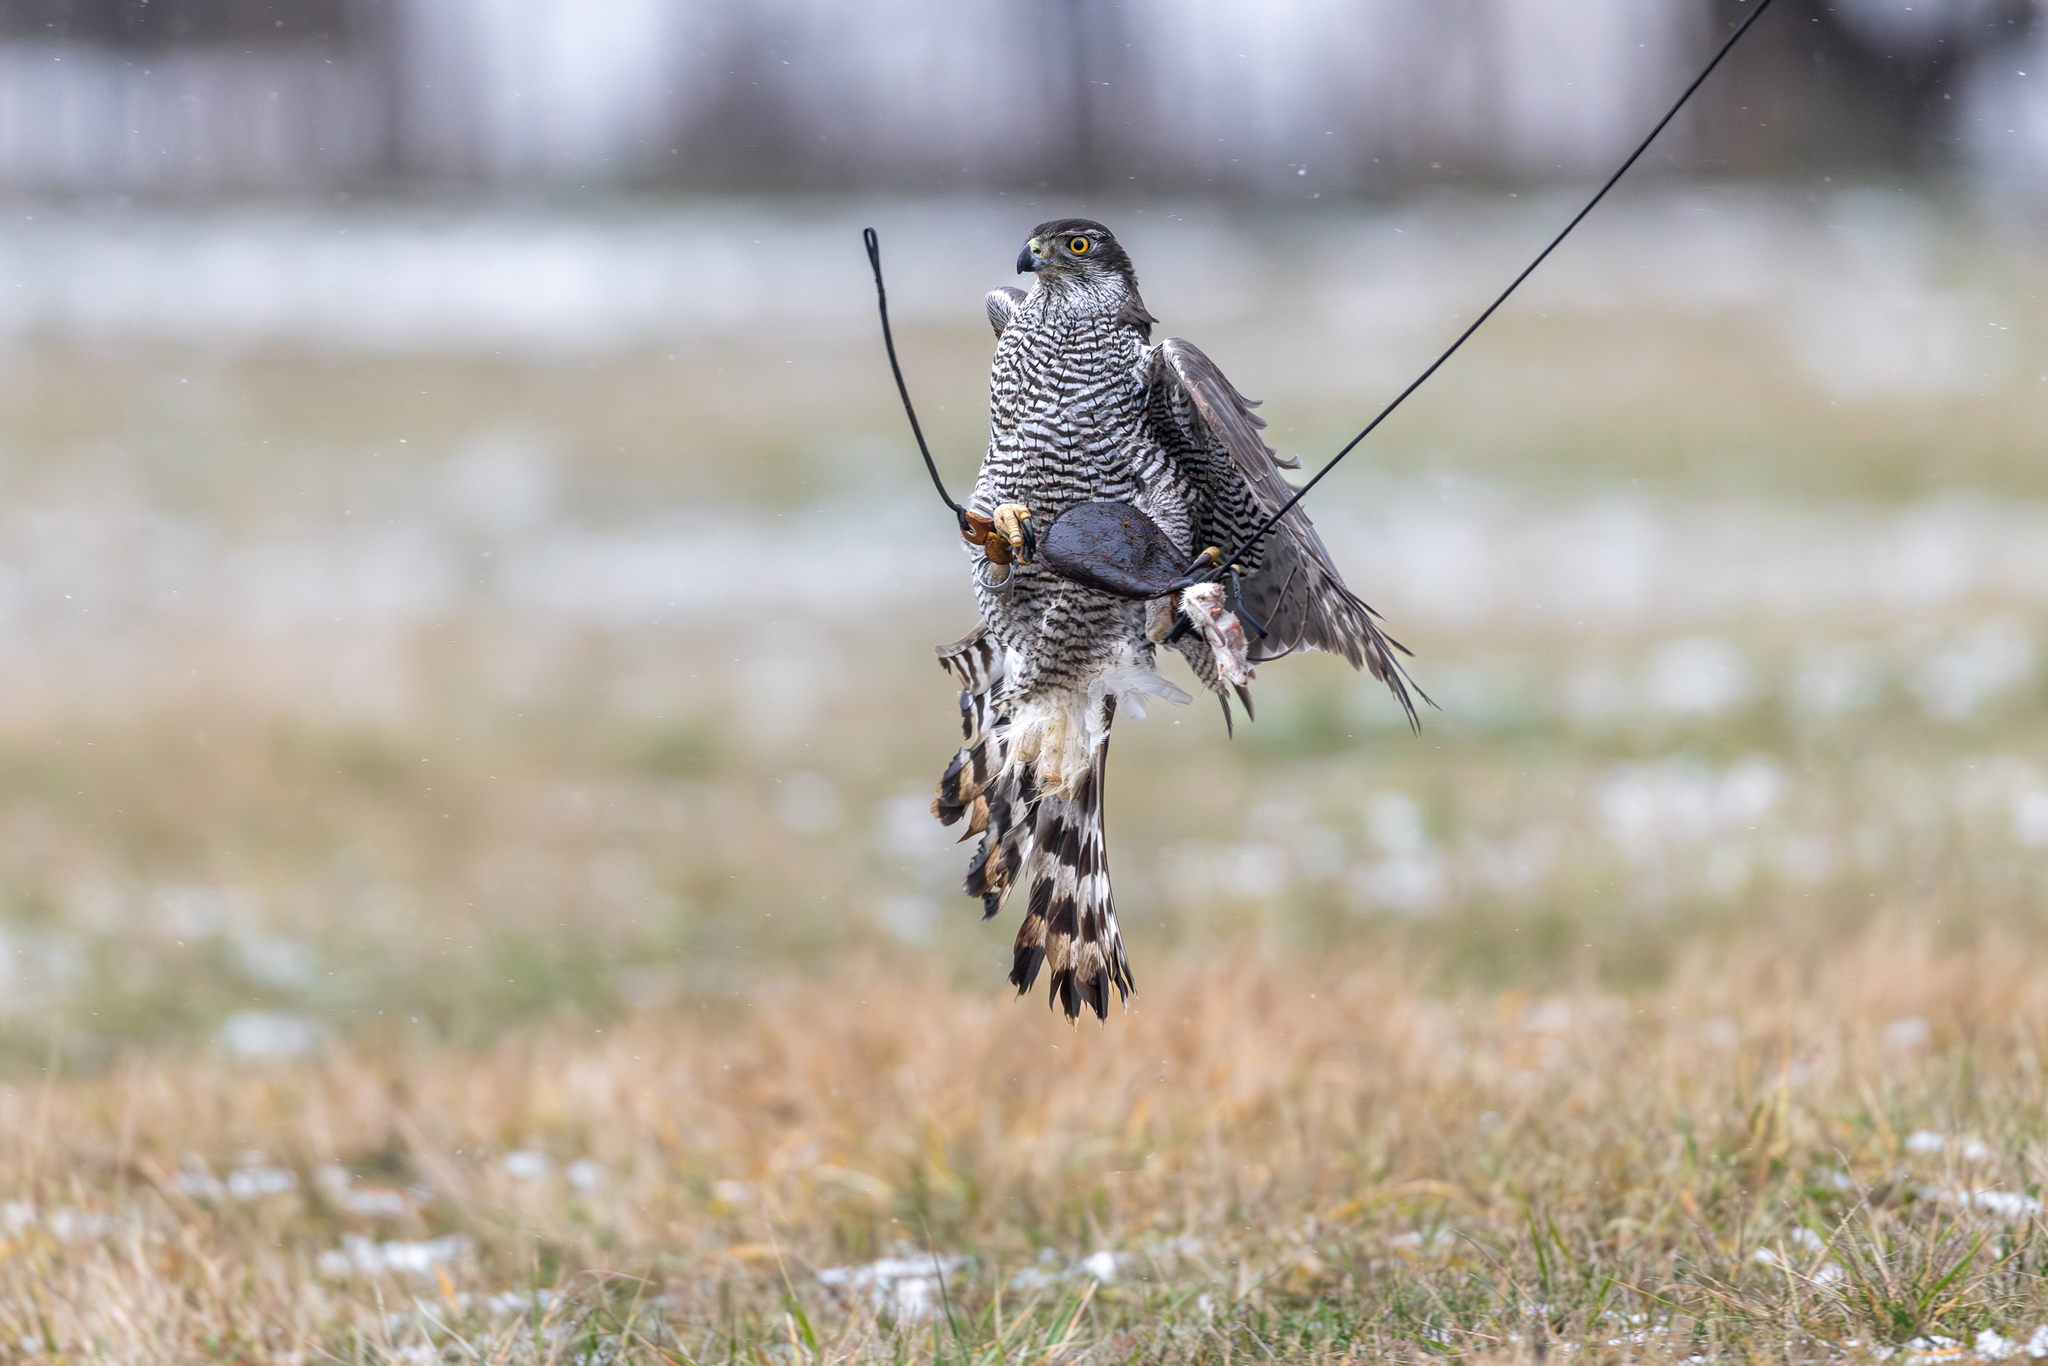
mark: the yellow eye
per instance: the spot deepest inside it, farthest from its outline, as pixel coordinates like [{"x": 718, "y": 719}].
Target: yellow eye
[{"x": 1078, "y": 245}]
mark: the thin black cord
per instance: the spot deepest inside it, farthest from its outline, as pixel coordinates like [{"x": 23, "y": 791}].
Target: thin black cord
[
  {"x": 874, "y": 245},
  {"x": 1288, "y": 507}
]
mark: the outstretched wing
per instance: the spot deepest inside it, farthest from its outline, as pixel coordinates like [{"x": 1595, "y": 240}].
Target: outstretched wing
[{"x": 1296, "y": 591}]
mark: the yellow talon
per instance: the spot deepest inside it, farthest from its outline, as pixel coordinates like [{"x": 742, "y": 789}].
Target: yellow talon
[
  {"x": 1009, "y": 523},
  {"x": 1008, "y": 518}
]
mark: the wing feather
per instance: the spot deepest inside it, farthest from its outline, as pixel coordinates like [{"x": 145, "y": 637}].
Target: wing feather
[
  {"x": 1002, "y": 307},
  {"x": 1296, "y": 590}
]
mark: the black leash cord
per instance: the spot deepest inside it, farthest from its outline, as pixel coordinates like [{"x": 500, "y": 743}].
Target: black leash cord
[
  {"x": 1463, "y": 337},
  {"x": 874, "y": 245}
]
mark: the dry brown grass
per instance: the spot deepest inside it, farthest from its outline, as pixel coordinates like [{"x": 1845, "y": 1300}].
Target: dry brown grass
[{"x": 1289, "y": 1159}]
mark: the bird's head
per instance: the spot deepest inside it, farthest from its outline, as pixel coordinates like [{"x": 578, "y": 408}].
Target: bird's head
[{"x": 1077, "y": 250}]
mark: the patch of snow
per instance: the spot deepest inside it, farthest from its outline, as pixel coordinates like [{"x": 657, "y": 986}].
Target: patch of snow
[
  {"x": 256, "y": 1034},
  {"x": 362, "y": 1256},
  {"x": 907, "y": 1289},
  {"x": 525, "y": 1164},
  {"x": 1904, "y": 1033}
]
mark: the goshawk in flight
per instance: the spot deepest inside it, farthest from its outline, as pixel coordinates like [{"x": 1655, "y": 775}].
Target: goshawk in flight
[{"x": 1085, "y": 410}]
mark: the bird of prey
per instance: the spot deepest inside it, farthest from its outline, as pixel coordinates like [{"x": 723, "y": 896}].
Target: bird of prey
[{"x": 1086, "y": 410}]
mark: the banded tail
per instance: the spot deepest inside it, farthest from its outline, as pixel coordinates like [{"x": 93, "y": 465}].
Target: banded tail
[{"x": 1054, "y": 839}]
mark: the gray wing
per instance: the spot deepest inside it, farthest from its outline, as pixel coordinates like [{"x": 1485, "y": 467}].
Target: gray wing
[
  {"x": 1002, "y": 306},
  {"x": 1296, "y": 591}
]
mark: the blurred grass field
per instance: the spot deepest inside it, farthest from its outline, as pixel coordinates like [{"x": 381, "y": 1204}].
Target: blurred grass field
[
  {"x": 1271, "y": 1158},
  {"x": 464, "y": 825}
]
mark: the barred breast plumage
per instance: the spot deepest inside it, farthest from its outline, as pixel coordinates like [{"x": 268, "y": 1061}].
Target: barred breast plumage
[{"x": 1082, "y": 407}]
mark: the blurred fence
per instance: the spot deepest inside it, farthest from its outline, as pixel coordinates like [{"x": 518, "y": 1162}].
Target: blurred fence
[{"x": 1296, "y": 96}]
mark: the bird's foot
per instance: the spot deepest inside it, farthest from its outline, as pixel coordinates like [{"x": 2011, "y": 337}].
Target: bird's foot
[
  {"x": 1002, "y": 538},
  {"x": 1013, "y": 524},
  {"x": 1204, "y": 569}
]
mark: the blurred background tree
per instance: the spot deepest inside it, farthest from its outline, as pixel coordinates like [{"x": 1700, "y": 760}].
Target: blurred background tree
[{"x": 1372, "y": 96}]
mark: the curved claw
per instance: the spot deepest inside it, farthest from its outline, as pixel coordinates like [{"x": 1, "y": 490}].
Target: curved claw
[
  {"x": 1207, "y": 568},
  {"x": 1193, "y": 578},
  {"x": 1013, "y": 524}
]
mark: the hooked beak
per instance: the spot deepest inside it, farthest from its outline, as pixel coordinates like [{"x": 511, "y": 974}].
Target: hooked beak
[{"x": 1029, "y": 259}]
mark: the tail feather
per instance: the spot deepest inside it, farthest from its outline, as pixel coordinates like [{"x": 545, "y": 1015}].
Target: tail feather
[
  {"x": 1028, "y": 833},
  {"x": 976, "y": 661},
  {"x": 977, "y": 784},
  {"x": 1070, "y": 920},
  {"x": 993, "y": 869}
]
